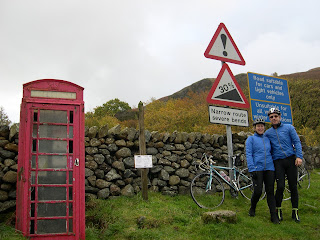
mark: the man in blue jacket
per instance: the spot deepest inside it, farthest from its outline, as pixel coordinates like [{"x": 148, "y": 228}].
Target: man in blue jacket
[
  {"x": 261, "y": 168},
  {"x": 286, "y": 152}
]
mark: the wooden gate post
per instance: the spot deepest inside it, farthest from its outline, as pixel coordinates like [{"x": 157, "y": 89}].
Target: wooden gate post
[{"x": 142, "y": 148}]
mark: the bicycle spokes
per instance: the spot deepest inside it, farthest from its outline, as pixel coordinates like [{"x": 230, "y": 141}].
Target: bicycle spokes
[
  {"x": 207, "y": 191},
  {"x": 245, "y": 184}
]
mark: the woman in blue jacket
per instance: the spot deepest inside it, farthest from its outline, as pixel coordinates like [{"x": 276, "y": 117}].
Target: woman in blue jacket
[{"x": 261, "y": 168}]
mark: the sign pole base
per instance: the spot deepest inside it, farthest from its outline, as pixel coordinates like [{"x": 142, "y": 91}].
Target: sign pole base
[{"x": 230, "y": 150}]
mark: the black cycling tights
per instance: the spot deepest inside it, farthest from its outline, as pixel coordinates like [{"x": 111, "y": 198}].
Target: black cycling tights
[
  {"x": 266, "y": 177},
  {"x": 286, "y": 167}
]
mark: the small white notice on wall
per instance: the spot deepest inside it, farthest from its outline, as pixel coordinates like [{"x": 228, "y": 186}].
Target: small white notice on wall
[{"x": 143, "y": 161}]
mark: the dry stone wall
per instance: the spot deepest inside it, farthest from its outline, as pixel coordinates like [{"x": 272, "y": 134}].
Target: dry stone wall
[
  {"x": 8, "y": 166},
  {"x": 109, "y": 160}
]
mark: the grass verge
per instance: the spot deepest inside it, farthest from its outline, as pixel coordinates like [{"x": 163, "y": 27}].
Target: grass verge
[{"x": 165, "y": 217}]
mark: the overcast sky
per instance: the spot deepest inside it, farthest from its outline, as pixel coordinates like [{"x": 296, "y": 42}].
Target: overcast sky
[{"x": 136, "y": 50}]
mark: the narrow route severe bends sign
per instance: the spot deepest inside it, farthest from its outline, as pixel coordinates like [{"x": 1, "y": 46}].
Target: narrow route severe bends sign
[
  {"x": 223, "y": 48},
  {"x": 226, "y": 90},
  {"x": 228, "y": 116}
]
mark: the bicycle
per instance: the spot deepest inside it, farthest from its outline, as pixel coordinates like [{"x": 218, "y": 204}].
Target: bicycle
[
  {"x": 207, "y": 189},
  {"x": 303, "y": 182}
]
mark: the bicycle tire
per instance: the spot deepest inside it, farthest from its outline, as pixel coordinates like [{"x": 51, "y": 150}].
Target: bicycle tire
[
  {"x": 202, "y": 195},
  {"x": 286, "y": 192},
  {"x": 303, "y": 182},
  {"x": 303, "y": 178},
  {"x": 245, "y": 185}
]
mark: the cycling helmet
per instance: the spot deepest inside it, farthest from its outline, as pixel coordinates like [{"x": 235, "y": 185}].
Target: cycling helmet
[
  {"x": 274, "y": 110},
  {"x": 258, "y": 120}
]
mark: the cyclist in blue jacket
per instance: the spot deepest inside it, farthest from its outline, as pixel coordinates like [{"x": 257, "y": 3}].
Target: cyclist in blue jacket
[
  {"x": 286, "y": 152},
  {"x": 261, "y": 168}
]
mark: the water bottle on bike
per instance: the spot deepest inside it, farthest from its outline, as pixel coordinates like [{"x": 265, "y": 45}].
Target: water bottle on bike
[{"x": 225, "y": 176}]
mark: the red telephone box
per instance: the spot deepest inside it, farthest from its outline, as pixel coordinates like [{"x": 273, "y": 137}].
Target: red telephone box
[{"x": 50, "y": 186}]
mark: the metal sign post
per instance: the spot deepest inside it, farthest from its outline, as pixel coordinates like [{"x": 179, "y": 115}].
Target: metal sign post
[
  {"x": 230, "y": 150},
  {"x": 230, "y": 147}
]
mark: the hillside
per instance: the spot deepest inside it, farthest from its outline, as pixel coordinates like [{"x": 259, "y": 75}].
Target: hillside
[
  {"x": 205, "y": 84},
  {"x": 312, "y": 74},
  {"x": 187, "y": 109},
  {"x": 304, "y": 94},
  {"x": 197, "y": 87}
]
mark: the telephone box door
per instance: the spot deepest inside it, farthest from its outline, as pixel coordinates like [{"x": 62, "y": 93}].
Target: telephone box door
[{"x": 54, "y": 171}]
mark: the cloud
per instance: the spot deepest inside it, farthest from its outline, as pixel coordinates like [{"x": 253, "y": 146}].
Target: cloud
[{"x": 136, "y": 50}]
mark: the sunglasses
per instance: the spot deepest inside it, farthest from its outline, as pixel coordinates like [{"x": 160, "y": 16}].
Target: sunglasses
[{"x": 273, "y": 116}]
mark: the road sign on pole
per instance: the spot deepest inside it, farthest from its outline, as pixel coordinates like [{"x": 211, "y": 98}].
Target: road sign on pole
[
  {"x": 269, "y": 92},
  {"x": 223, "y": 48},
  {"x": 226, "y": 90}
]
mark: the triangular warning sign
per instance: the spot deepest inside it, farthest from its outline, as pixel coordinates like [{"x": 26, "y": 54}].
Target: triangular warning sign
[
  {"x": 226, "y": 90},
  {"x": 223, "y": 48}
]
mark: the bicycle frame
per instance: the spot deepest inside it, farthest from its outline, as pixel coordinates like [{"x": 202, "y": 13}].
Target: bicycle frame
[
  {"x": 207, "y": 188},
  {"x": 213, "y": 169}
]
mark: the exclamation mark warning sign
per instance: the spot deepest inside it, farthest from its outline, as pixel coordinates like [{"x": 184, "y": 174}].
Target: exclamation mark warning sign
[{"x": 223, "y": 48}]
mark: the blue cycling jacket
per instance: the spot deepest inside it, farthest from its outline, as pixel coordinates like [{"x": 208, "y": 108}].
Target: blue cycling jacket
[
  {"x": 285, "y": 141},
  {"x": 258, "y": 154}
]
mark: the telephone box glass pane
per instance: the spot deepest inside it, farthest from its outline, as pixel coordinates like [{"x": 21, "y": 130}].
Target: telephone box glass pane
[
  {"x": 33, "y": 177},
  {"x": 32, "y": 227},
  {"x": 70, "y": 178},
  {"x": 32, "y": 210},
  {"x": 53, "y": 116},
  {"x": 52, "y": 226},
  {"x": 35, "y": 130},
  {"x": 52, "y": 193},
  {"x": 35, "y": 116},
  {"x": 52, "y": 131},
  {"x": 52, "y": 177},
  {"x": 52, "y": 209},
  {"x": 70, "y": 193},
  {"x": 33, "y": 161},
  {"x": 70, "y": 225},
  {"x": 70, "y": 132},
  {"x": 70, "y": 209},
  {"x": 52, "y": 146},
  {"x": 52, "y": 161},
  {"x": 34, "y": 145},
  {"x": 70, "y": 146}
]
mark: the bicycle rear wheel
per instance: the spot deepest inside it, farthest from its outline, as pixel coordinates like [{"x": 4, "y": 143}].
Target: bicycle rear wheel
[
  {"x": 206, "y": 191},
  {"x": 245, "y": 185},
  {"x": 303, "y": 182},
  {"x": 286, "y": 192},
  {"x": 303, "y": 178}
]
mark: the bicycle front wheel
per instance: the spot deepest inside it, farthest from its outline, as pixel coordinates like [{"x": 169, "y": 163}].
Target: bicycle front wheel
[
  {"x": 207, "y": 191},
  {"x": 245, "y": 185}
]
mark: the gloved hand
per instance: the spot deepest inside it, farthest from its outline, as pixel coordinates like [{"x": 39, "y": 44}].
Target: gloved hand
[{"x": 254, "y": 175}]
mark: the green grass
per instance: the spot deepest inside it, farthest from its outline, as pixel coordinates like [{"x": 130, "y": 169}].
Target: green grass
[{"x": 164, "y": 217}]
